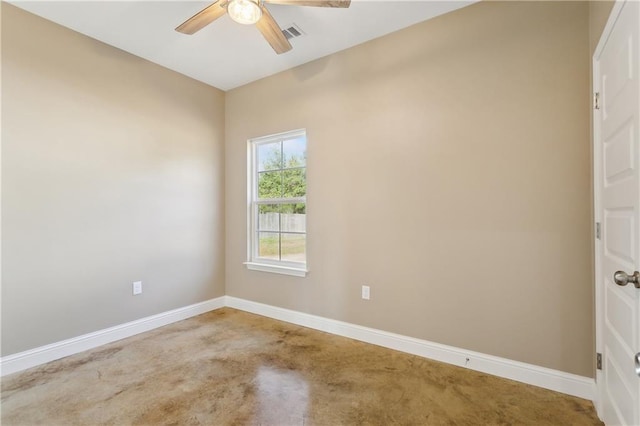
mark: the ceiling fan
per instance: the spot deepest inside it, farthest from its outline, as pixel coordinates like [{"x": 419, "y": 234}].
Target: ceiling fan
[{"x": 252, "y": 12}]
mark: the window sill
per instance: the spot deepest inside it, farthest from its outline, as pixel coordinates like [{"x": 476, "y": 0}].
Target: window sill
[{"x": 277, "y": 269}]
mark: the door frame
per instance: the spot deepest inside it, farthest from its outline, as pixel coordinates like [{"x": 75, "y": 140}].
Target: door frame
[{"x": 596, "y": 169}]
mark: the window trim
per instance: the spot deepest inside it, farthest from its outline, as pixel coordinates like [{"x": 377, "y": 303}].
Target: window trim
[{"x": 299, "y": 269}]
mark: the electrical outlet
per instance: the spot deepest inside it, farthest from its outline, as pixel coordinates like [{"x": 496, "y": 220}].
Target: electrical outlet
[
  {"x": 366, "y": 292},
  {"x": 137, "y": 288}
]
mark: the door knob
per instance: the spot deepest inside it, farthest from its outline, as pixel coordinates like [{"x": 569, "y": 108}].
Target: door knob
[{"x": 622, "y": 278}]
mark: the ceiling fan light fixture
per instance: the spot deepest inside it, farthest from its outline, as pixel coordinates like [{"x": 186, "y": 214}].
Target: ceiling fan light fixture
[{"x": 245, "y": 12}]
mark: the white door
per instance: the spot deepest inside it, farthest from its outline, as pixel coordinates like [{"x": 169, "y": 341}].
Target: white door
[{"x": 617, "y": 209}]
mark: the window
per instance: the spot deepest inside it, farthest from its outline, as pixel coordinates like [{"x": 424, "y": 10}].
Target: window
[{"x": 277, "y": 239}]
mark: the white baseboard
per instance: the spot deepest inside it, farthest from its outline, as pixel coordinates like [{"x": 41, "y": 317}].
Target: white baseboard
[
  {"x": 571, "y": 384},
  {"x": 43, "y": 354},
  {"x": 582, "y": 387}
]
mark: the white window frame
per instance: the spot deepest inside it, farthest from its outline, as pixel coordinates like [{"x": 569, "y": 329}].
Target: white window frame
[{"x": 254, "y": 262}]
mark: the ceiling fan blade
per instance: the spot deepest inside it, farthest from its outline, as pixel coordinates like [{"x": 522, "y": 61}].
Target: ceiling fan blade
[
  {"x": 317, "y": 3},
  {"x": 272, "y": 33},
  {"x": 202, "y": 18}
]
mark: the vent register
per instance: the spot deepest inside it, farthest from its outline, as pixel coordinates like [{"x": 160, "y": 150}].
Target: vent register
[{"x": 292, "y": 31}]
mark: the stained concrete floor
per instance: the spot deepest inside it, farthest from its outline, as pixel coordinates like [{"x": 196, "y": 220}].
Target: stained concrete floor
[{"x": 229, "y": 367}]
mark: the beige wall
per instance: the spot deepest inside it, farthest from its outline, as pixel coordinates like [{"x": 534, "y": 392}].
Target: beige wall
[
  {"x": 449, "y": 170},
  {"x": 112, "y": 172}
]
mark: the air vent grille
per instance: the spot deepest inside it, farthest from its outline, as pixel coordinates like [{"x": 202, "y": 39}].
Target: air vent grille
[{"x": 292, "y": 31}]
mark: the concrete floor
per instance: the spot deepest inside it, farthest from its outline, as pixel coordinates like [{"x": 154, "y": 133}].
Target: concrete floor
[{"x": 233, "y": 368}]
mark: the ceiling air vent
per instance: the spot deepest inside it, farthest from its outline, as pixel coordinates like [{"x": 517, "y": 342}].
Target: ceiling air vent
[{"x": 292, "y": 31}]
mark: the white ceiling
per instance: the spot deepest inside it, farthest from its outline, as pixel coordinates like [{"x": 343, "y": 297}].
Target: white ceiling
[{"x": 226, "y": 54}]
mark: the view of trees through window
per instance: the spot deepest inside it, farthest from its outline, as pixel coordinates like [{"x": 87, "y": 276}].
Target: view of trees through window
[{"x": 281, "y": 204}]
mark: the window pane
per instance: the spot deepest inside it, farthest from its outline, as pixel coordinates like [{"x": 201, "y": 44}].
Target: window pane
[
  {"x": 293, "y": 217},
  {"x": 269, "y": 156},
  {"x": 270, "y": 184},
  {"x": 294, "y": 152},
  {"x": 269, "y": 217},
  {"x": 293, "y": 247},
  {"x": 294, "y": 182},
  {"x": 269, "y": 245}
]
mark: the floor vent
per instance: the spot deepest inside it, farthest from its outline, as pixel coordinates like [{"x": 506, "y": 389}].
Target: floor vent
[{"x": 292, "y": 31}]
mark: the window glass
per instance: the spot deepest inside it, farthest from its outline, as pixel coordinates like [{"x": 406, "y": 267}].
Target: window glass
[
  {"x": 278, "y": 191},
  {"x": 269, "y": 156}
]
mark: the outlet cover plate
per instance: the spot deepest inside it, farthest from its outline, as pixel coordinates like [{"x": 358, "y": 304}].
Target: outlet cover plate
[
  {"x": 366, "y": 292},
  {"x": 137, "y": 288}
]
